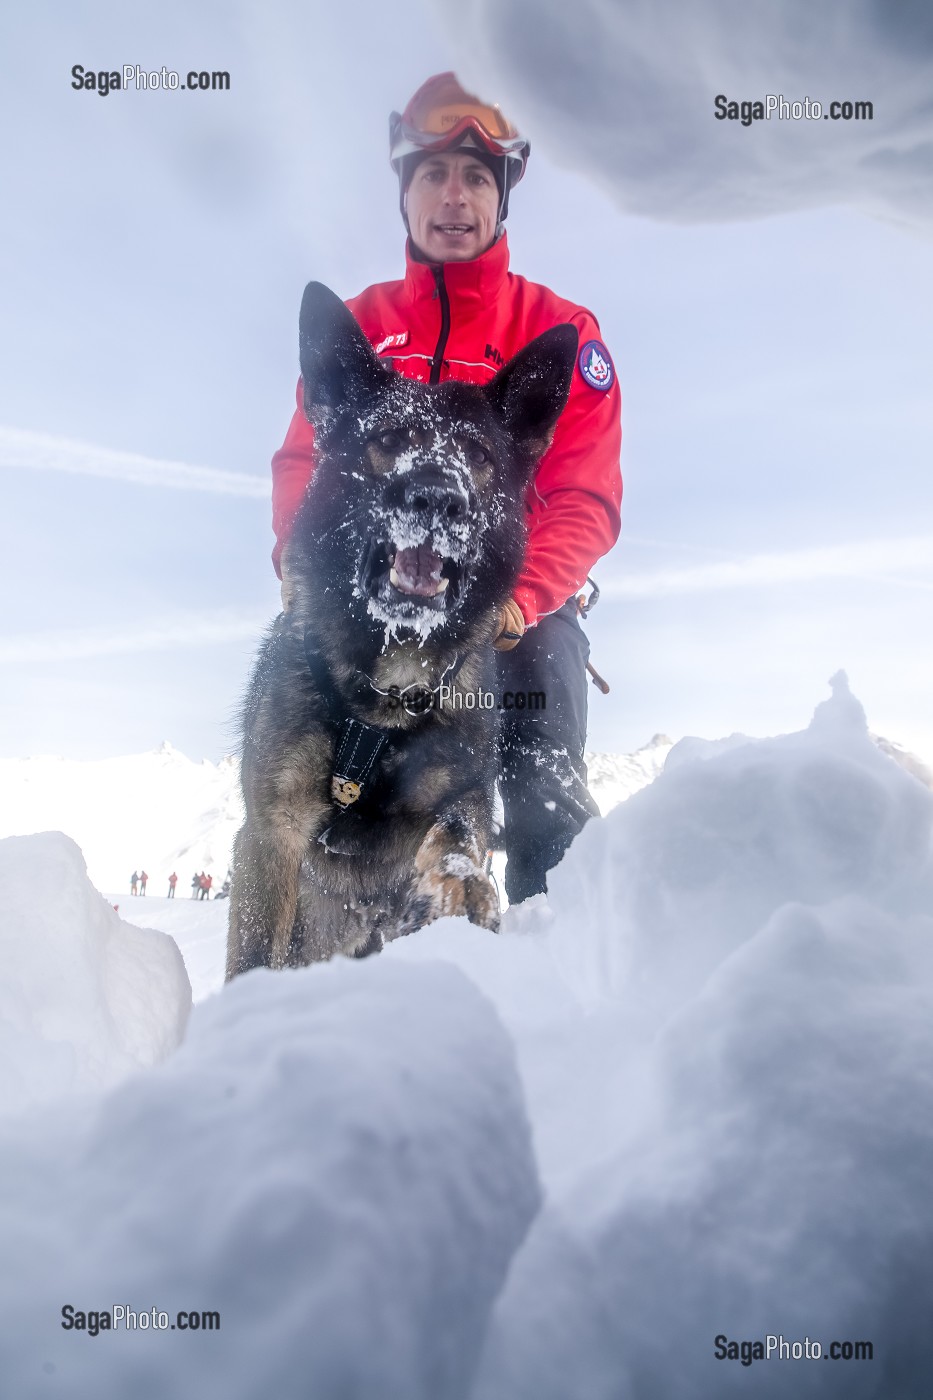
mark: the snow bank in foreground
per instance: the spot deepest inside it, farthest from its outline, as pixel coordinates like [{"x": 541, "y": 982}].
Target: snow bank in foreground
[
  {"x": 722, "y": 1022},
  {"x": 337, "y": 1161},
  {"x": 727, "y": 1060},
  {"x": 775, "y": 1181},
  {"x": 84, "y": 998}
]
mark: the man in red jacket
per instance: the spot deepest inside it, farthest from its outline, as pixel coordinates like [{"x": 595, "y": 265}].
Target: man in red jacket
[{"x": 459, "y": 313}]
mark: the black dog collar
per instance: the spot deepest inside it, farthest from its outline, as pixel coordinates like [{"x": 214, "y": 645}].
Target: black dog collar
[{"x": 360, "y": 746}]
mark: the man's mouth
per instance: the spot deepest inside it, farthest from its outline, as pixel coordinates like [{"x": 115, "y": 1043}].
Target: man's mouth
[{"x": 454, "y": 230}]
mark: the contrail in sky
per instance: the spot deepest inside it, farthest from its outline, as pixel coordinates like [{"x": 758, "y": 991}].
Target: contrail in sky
[
  {"x": 186, "y": 630},
  {"x": 907, "y": 562},
  {"x": 20, "y": 449}
]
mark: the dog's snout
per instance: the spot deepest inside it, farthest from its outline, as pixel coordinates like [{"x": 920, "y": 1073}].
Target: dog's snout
[{"x": 434, "y": 494}]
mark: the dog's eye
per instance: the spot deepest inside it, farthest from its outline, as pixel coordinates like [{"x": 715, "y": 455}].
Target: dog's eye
[
  {"x": 389, "y": 441},
  {"x": 477, "y": 455}
]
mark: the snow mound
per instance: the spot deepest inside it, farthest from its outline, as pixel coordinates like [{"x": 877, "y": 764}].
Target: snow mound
[
  {"x": 676, "y": 879},
  {"x": 724, "y": 1013},
  {"x": 711, "y": 1044},
  {"x": 85, "y": 998},
  {"x": 337, "y": 1161},
  {"x": 199, "y": 927},
  {"x": 774, "y": 1181}
]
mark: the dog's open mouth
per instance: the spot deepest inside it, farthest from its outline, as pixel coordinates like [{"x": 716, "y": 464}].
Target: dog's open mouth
[
  {"x": 414, "y": 574},
  {"x": 418, "y": 570}
]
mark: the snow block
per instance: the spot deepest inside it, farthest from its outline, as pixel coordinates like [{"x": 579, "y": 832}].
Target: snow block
[
  {"x": 753, "y": 938},
  {"x": 780, "y": 1187},
  {"x": 85, "y": 998},
  {"x": 684, "y": 872},
  {"x": 337, "y": 1162}
]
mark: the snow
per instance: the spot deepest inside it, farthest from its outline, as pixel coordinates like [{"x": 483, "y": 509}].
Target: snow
[
  {"x": 155, "y": 811},
  {"x": 199, "y": 928},
  {"x": 314, "y": 1165},
  {"x": 613, "y": 777},
  {"x": 688, "y": 1094},
  {"x": 85, "y": 999},
  {"x": 160, "y": 811}
]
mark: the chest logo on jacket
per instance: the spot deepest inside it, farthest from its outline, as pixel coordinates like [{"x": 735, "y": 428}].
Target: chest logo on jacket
[{"x": 390, "y": 342}]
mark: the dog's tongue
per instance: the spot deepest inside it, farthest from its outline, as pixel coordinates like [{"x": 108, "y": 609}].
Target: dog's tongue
[{"x": 418, "y": 569}]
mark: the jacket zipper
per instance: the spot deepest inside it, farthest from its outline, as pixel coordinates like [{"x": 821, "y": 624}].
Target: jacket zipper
[{"x": 441, "y": 292}]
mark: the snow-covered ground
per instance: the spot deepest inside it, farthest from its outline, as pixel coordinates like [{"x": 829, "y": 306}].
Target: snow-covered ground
[{"x": 686, "y": 1097}]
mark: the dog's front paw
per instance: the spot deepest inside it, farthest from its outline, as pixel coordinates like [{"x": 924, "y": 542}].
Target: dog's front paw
[{"x": 456, "y": 887}]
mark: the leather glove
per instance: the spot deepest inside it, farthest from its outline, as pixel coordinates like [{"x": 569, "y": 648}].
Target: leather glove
[{"x": 511, "y": 626}]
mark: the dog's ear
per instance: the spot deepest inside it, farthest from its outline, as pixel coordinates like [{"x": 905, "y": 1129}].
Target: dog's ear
[
  {"x": 529, "y": 393},
  {"x": 338, "y": 366}
]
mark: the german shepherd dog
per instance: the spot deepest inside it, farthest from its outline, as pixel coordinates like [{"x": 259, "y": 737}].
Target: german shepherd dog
[{"x": 369, "y": 754}]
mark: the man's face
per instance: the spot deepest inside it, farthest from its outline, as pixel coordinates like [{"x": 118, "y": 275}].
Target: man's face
[{"x": 452, "y": 207}]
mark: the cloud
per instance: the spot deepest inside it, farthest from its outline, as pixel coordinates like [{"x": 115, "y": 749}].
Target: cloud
[
  {"x": 623, "y": 91},
  {"x": 186, "y": 630},
  {"x": 904, "y": 562},
  {"x": 42, "y": 452}
]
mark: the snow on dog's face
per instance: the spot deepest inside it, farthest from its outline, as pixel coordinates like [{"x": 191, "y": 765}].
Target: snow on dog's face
[{"x": 415, "y": 511}]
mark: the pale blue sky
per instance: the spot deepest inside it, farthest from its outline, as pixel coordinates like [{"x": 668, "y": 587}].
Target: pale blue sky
[{"x": 776, "y": 381}]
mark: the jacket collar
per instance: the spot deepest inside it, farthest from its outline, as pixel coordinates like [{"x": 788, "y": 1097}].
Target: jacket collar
[{"x": 481, "y": 279}]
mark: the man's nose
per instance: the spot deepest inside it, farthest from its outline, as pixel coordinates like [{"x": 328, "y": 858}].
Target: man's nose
[{"x": 454, "y": 190}]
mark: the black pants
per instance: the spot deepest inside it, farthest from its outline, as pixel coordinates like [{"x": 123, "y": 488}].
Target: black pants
[{"x": 542, "y": 776}]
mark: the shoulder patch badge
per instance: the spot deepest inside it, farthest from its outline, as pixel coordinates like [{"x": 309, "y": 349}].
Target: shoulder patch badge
[{"x": 596, "y": 366}]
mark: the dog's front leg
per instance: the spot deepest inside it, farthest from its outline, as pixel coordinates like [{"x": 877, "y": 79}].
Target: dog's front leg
[
  {"x": 450, "y": 877},
  {"x": 263, "y": 896}
]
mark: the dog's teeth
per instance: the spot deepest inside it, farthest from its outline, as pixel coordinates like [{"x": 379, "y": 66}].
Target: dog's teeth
[
  {"x": 394, "y": 578},
  {"x": 441, "y": 585}
]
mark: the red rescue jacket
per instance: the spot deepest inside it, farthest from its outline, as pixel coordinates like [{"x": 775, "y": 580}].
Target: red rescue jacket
[{"x": 471, "y": 317}]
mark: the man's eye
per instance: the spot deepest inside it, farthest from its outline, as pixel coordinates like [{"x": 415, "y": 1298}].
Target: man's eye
[
  {"x": 389, "y": 441},
  {"x": 477, "y": 455}
]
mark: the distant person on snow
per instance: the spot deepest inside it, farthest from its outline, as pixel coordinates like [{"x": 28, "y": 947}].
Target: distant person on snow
[
  {"x": 142, "y": 882},
  {"x": 206, "y": 882},
  {"x": 172, "y": 882},
  {"x": 134, "y": 881},
  {"x": 196, "y": 884}
]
